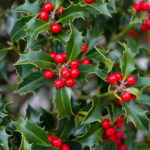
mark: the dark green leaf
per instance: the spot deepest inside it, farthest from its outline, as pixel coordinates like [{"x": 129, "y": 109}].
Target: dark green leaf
[
  {"x": 4, "y": 138},
  {"x": 24, "y": 144},
  {"x": 3, "y": 104},
  {"x": 42, "y": 147},
  {"x": 143, "y": 99},
  {"x": 3, "y": 71},
  {"x": 56, "y": 4},
  {"x": 3, "y": 52}
]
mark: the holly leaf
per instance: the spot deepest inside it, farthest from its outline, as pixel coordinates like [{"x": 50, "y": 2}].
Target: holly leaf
[
  {"x": 56, "y": 4},
  {"x": 3, "y": 71},
  {"x": 3, "y": 52},
  {"x": 42, "y": 147},
  {"x": 24, "y": 144},
  {"x": 143, "y": 99},
  {"x": 63, "y": 102},
  {"x": 37, "y": 58},
  {"x": 3, "y": 104},
  {"x": 133, "y": 91},
  {"x": 73, "y": 47},
  {"x": 4, "y": 138}
]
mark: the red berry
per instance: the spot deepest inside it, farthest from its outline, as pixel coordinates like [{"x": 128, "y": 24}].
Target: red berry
[
  {"x": 136, "y": 6},
  {"x": 143, "y": 5},
  {"x": 111, "y": 79},
  {"x": 48, "y": 6},
  {"x": 48, "y": 74},
  {"x": 55, "y": 28},
  {"x": 83, "y": 48},
  {"x": 118, "y": 102},
  {"x": 74, "y": 64},
  {"x": 74, "y": 73},
  {"x": 118, "y": 76},
  {"x": 148, "y": 8},
  {"x": 60, "y": 9},
  {"x": 110, "y": 131},
  {"x": 57, "y": 142},
  {"x": 118, "y": 141},
  {"x": 119, "y": 134},
  {"x": 125, "y": 96},
  {"x": 65, "y": 147},
  {"x": 119, "y": 119},
  {"x": 85, "y": 61},
  {"x": 112, "y": 138},
  {"x": 52, "y": 55},
  {"x": 105, "y": 123},
  {"x": 89, "y": 1},
  {"x": 43, "y": 15},
  {"x": 148, "y": 143},
  {"x": 119, "y": 125},
  {"x": 50, "y": 138},
  {"x": 133, "y": 97},
  {"x": 132, "y": 33},
  {"x": 69, "y": 82},
  {"x": 104, "y": 136},
  {"x": 147, "y": 23},
  {"x": 130, "y": 80},
  {"x": 122, "y": 147},
  {"x": 144, "y": 28},
  {"x": 65, "y": 73},
  {"x": 64, "y": 55},
  {"x": 59, "y": 58},
  {"x": 58, "y": 83}
]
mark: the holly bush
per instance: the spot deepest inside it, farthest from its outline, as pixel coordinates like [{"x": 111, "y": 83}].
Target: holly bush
[{"x": 87, "y": 54}]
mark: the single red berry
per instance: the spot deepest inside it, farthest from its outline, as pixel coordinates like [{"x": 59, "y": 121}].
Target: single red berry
[
  {"x": 57, "y": 142},
  {"x": 132, "y": 33},
  {"x": 43, "y": 15},
  {"x": 119, "y": 134},
  {"x": 147, "y": 23},
  {"x": 59, "y": 58},
  {"x": 52, "y": 55},
  {"x": 74, "y": 73},
  {"x": 119, "y": 119},
  {"x": 119, "y": 125},
  {"x": 143, "y": 5},
  {"x": 122, "y": 147},
  {"x": 58, "y": 83},
  {"x": 125, "y": 96},
  {"x": 64, "y": 55},
  {"x": 112, "y": 138},
  {"x": 118, "y": 76},
  {"x": 89, "y": 1},
  {"x": 48, "y": 6},
  {"x": 74, "y": 64},
  {"x": 144, "y": 28},
  {"x": 130, "y": 80},
  {"x": 118, "y": 141},
  {"x": 83, "y": 48},
  {"x": 65, "y": 73},
  {"x": 60, "y": 9},
  {"x": 55, "y": 28},
  {"x": 65, "y": 147},
  {"x": 111, "y": 79},
  {"x": 104, "y": 136},
  {"x": 110, "y": 131},
  {"x": 105, "y": 124},
  {"x": 48, "y": 74},
  {"x": 50, "y": 139},
  {"x": 136, "y": 6},
  {"x": 118, "y": 102},
  {"x": 69, "y": 82},
  {"x": 85, "y": 61}
]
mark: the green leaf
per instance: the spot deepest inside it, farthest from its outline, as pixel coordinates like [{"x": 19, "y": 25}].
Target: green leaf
[
  {"x": 35, "y": 27},
  {"x": 143, "y": 99},
  {"x": 72, "y": 12},
  {"x": 88, "y": 69},
  {"x": 133, "y": 91},
  {"x": 42, "y": 147},
  {"x": 113, "y": 4},
  {"x": 37, "y": 58},
  {"x": 30, "y": 8},
  {"x": 32, "y": 132},
  {"x": 127, "y": 62},
  {"x": 3, "y": 71},
  {"x": 31, "y": 83},
  {"x": 3, "y": 52},
  {"x": 24, "y": 144},
  {"x": 63, "y": 103},
  {"x": 3, "y": 104},
  {"x": 73, "y": 47},
  {"x": 56, "y": 4},
  {"x": 4, "y": 139},
  {"x": 18, "y": 31},
  {"x": 105, "y": 60},
  {"x": 136, "y": 115}
]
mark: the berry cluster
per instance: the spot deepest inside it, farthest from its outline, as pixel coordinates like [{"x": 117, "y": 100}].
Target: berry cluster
[
  {"x": 112, "y": 134},
  {"x": 143, "y": 6},
  {"x": 56, "y": 142},
  {"x": 120, "y": 86}
]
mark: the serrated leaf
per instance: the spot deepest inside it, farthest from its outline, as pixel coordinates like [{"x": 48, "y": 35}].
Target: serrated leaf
[
  {"x": 24, "y": 144},
  {"x": 30, "y": 8},
  {"x": 32, "y": 132},
  {"x": 34, "y": 28},
  {"x": 56, "y": 4},
  {"x": 3, "y": 52},
  {"x": 3, "y": 104},
  {"x": 73, "y": 47},
  {"x": 63, "y": 102},
  {"x": 133, "y": 91},
  {"x": 31, "y": 83},
  {"x": 37, "y": 58},
  {"x": 4, "y": 138}
]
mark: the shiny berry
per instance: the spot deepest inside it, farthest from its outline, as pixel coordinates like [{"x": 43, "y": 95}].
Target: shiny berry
[
  {"x": 118, "y": 102},
  {"x": 52, "y": 55},
  {"x": 111, "y": 79},
  {"x": 119, "y": 134},
  {"x": 50, "y": 139},
  {"x": 130, "y": 80},
  {"x": 132, "y": 33},
  {"x": 48, "y": 74},
  {"x": 43, "y": 15},
  {"x": 125, "y": 96},
  {"x": 59, "y": 58},
  {"x": 65, "y": 147},
  {"x": 89, "y": 1},
  {"x": 110, "y": 131},
  {"x": 58, "y": 83},
  {"x": 147, "y": 23},
  {"x": 64, "y": 55},
  {"x": 60, "y": 9},
  {"x": 144, "y": 28},
  {"x": 83, "y": 48},
  {"x": 118, "y": 76},
  {"x": 65, "y": 73},
  {"x": 112, "y": 138},
  {"x": 119, "y": 119},
  {"x": 69, "y": 82},
  {"x": 136, "y": 6},
  {"x": 143, "y": 5},
  {"x": 55, "y": 28},
  {"x": 74, "y": 64},
  {"x": 119, "y": 125},
  {"x": 57, "y": 142},
  {"x": 122, "y": 147},
  {"x": 74, "y": 73},
  {"x": 85, "y": 61},
  {"x": 48, "y": 6},
  {"x": 105, "y": 124}
]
